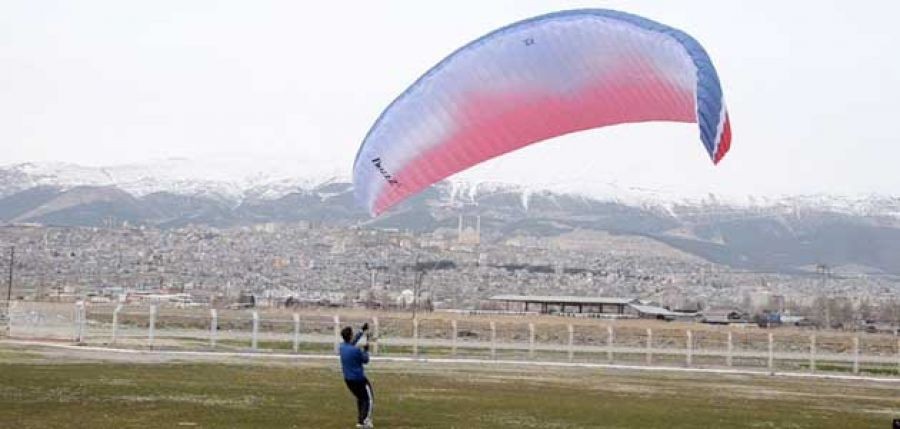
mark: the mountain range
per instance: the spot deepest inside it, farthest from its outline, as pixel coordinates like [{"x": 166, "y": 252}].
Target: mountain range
[{"x": 787, "y": 234}]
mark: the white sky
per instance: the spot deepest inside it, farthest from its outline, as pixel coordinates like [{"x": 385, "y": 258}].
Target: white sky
[{"x": 812, "y": 88}]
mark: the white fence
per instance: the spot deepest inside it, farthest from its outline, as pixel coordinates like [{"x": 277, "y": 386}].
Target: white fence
[{"x": 538, "y": 339}]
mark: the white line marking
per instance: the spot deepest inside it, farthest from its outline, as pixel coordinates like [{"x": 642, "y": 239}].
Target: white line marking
[{"x": 458, "y": 361}]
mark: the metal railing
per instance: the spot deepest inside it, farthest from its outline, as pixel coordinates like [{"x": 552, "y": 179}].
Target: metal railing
[{"x": 534, "y": 339}]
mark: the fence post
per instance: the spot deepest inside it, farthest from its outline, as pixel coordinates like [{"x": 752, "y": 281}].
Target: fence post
[
  {"x": 571, "y": 342},
  {"x": 649, "y": 346},
  {"x": 493, "y": 340},
  {"x": 531, "y": 341},
  {"x": 729, "y": 358},
  {"x": 610, "y": 339},
  {"x": 213, "y": 327},
  {"x": 151, "y": 330},
  {"x": 9, "y": 318},
  {"x": 453, "y": 326},
  {"x": 812, "y": 353},
  {"x": 856, "y": 354},
  {"x": 690, "y": 348},
  {"x": 375, "y": 331},
  {"x": 255, "y": 332},
  {"x": 82, "y": 332},
  {"x": 296, "y": 345},
  {"x": 337, "y": 332},
  {"x": 76, "y": 313},
  {"x": 115, "y": 324},
  {"x": 76, "y": 336},
  {"x": 415, "y": 337},
  {"x": 771, "y": 365}
]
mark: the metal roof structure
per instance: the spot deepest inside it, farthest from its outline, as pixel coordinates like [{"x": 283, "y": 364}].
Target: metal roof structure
[
  {"x": 568, "y": 300},
  {"x": 653, "y": 310}
]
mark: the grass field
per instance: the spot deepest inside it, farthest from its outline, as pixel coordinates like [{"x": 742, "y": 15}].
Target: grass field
[{"x": 44, "y": 388}]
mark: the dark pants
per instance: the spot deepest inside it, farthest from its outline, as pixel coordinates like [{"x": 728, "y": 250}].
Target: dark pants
[{"x": 365, "y": 399}]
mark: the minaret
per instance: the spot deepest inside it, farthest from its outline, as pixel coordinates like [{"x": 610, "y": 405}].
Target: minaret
[{"x": 478, "y": 229}]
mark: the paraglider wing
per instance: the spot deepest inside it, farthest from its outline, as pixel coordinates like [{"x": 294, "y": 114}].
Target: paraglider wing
[{"x": 531, "y": 81}]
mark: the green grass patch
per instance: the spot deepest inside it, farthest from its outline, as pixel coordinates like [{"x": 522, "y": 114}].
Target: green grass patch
[
  {"x": 848, "y": 368},
  {"x": 312, "y": 395},
  {"x": 278, "y": 346},
  {"x": 16, "y": 355}
]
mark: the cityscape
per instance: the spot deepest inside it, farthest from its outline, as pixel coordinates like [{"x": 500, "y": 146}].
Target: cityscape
[{"x": 446, "y": 269}]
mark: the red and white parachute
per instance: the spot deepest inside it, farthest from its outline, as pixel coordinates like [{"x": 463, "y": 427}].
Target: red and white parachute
[{"x": 531, "y": 81}]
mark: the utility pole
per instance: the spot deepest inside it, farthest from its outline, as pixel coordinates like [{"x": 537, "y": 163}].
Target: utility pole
[
  {"x": 823, "y": 270},
  {"x": 416, "y": 282},
  {"x": 12, "y": 257}
]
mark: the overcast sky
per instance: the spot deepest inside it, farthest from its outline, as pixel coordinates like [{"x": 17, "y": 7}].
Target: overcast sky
[{"x": 812, "y": 88}]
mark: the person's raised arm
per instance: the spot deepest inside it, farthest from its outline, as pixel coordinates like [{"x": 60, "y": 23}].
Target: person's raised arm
[{"x": 362, "y": 331}]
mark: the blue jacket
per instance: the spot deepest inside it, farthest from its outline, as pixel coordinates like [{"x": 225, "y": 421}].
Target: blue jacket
[{"x": 352, "y": 359}]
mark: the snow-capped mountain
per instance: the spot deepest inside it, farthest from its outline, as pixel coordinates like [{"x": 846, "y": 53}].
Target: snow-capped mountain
[
  {"x": 235, "y": 179},
  {"x": 232, "y": 178},
  {"x": 787, "y": 233}
]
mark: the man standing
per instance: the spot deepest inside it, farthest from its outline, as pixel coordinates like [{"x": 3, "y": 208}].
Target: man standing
[{"x": 352, "y": 360}]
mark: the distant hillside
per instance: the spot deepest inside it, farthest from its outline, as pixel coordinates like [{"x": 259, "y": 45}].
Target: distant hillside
[{"x": 781, "y": 235}]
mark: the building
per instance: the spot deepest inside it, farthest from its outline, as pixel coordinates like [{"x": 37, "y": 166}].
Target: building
[
  {"x": 565, "y": 304},
  {"x": 589, "y": 306}
]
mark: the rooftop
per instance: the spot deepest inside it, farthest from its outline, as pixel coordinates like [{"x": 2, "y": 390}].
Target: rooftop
[{"x": 548, "y": 299}]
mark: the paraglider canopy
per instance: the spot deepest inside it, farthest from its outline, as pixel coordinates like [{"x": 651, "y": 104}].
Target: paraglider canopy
[{"x": 533, "y": 80}]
